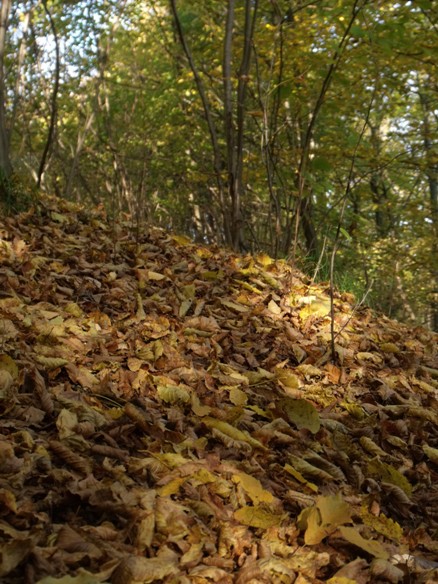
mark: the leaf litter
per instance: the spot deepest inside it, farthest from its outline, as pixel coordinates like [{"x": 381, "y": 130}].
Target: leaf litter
[{"x": 170, "y": 413}]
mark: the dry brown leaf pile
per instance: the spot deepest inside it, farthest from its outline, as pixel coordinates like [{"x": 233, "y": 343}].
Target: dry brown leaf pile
[{"x": 170, "y": 414}]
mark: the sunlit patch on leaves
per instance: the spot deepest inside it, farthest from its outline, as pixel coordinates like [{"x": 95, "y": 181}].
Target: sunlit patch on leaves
[{"x": 324, "y": 518}]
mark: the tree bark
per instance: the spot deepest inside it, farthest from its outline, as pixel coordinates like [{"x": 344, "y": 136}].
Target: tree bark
[
  {"x": 54, "y": 100},
  {"x": 432, "y": 179},
  {"x": 217, "y": 156},
  {"x": 5, "y": 162}
]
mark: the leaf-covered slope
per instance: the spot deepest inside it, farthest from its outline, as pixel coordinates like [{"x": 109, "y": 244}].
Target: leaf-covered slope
[{"x": 170, "y": 413}]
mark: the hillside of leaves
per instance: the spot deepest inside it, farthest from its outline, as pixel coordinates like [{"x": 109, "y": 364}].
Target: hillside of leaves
[{"x": 171, "y": 413}]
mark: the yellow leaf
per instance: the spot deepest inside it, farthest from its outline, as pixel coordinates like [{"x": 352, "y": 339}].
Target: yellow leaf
[
  {"x": 234, "y": 306},
  {"x": 59, "y": 217},
  {"x": 9, "y": 365},
  {"x": 6, "y": 382},
  {"x": 204, "y": 476},
  {"x": 259, "y": 376},
  {"x": 172, "y": 394},
  {"x": 155, "y": 276},
  {"x": 354, "y": 410},
  {"x": 306, "y": 468},
  {"x": 270, "y": 280},
  {"x": 325, "y": 517},
  {"x": 258, "y": 517},
  {"x": 431, "y": 453},
  {"x": 309, "y": 370},
  {"x": 185, "y": 306},
  {"x": 212, "y": 275},
  {"x": 171, "y": 488},
  {"x": 273, "y": 307},
  {"x": 13, "y": 553},
  {"x": 51, "y": 362},
  {"x": 238, "y": 397},
  {"x": 389, "y": 474},
  {"x": 369, "y": 545},
  {"x": 253, "y": 488},
  {"x": 73, "y": 309},
  {"x": 371, "y": 447},
  {"x": 319, "y": 307},
  {"x": 134, "y": 364},
  {"x": 299, "y": 477},
  {"x": 364, "y": 356},
  {"x": 389, "y": 348},
  {"x": 66, "y": 423},
  {"x": 198, "y": 408},
  {"x": 287, "y": 378},
  {"x": 259, "y": 411},
  {"x": 382, "y": 524},
  {"x": 301, "y": 413},
  {"x": 182, "y": 240},
  {"x": 8, "y": 500},
  {"x": 172, "y": 459},
  {"x": 264, "y": 260},
  {"x": 189, "y": 291},
  {"x": 140, "y": 570},
  {"x": 232, "y": 432},
  {"x": 7, "y": 329},
  {"x": 299, "y": 352},
  {"x": 81, "y": 375},
  {"x": 248, "y": 286}
]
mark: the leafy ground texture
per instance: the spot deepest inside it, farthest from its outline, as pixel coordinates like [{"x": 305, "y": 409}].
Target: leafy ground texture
[{"x": 172, "y": 413}]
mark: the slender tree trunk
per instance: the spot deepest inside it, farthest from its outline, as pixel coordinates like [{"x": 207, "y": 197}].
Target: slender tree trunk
[
  {"x": 218, "y": 161},
  {"x": 251, "y": 7},
  {"x": 303, "y": 214},
  {"x": 232, "y": 183},
  {"x": 54, "y": 100},
  {"x": 82, "y": 134},
  {"x": 234, "y": 116},
  {"x": 5, "y": 162},
  {"x": 19, "y": 84},
  {"x": 432, "y": 178}
]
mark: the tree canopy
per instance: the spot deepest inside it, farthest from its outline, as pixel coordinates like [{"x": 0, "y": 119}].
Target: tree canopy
[{"x": 307, "y": 130}]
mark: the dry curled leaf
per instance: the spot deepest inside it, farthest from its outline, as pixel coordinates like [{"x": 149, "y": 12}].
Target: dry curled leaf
[{"x": 71, "y": 458}]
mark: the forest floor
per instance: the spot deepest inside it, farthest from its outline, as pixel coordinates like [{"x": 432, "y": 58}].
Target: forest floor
[{"x": 172, "y": 413}]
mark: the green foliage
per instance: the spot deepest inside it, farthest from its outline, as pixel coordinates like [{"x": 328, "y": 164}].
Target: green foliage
[
  {"x": 344, "y": 124},
  {"x": 15, "y": 195}
]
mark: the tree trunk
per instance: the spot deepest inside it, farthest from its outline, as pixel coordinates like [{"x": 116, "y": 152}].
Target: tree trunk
[
  {"x": 5, "y": 162},
  {"x": 432, "y": 179},
  {"x": 54, "y": 100},
  {"x": 218, "y": 161}
]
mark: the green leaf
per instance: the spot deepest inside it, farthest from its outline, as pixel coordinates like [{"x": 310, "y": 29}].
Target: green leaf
[
  {"x": 345, "y": 234},
  {"x": 321, "y": 163},
  {"x": 357, "y": 31}
]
